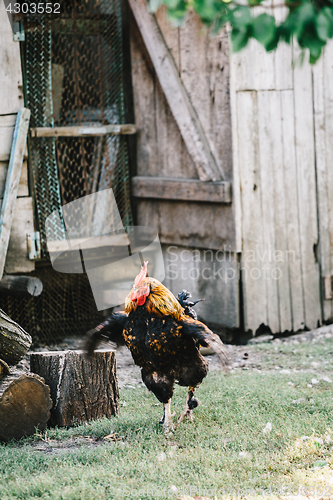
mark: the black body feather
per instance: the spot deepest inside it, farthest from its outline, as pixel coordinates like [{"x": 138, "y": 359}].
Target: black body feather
[{"x": 166, "y": 349}]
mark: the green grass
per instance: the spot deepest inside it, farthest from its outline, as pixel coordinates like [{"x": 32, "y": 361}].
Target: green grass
[{"x": 225, "y": 449}]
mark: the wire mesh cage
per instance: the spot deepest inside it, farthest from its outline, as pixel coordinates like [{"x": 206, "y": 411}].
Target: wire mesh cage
[{"x": 73, "y": 74}]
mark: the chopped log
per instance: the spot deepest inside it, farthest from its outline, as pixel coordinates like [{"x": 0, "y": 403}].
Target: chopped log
[
  {"x": 14, "y": 341},
  {"x": 21, "y": 285},
  {"x": 25, "y": 405},
  {"x": 81, "y": 389}
]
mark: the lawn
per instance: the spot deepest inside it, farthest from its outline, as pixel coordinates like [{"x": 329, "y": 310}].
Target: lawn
[{"x": 258, "y": 433}]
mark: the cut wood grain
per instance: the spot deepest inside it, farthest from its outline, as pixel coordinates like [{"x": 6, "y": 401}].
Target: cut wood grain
[
  {"x": 25, "y": 405},
  {"x": 14, "y": 341},
  {"x": 181, "y": 189},
  {"x": 12, "y": 182},
  {"x": 86, "y": 131},
  {"x": 175, "y": 92},
  {"x": 81, "y": 389}
]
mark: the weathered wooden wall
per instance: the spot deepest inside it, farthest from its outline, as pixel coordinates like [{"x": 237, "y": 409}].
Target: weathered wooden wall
[
  {"x": 281, "y": 113},
  {"x": 323, "y": 133},
  {"x": 203, "y": 65},
  {"x": 11, "y": 100}
]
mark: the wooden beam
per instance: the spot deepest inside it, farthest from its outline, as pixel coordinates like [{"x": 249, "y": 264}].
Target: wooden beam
[
  {"x": 75, "y": 244},
  {"x": 181, "y": 189},
  {"x": 86, "y": 131},
  {"x": 21, "y": 285},
  {"x": 184, "y": 113},
  {"x": 12, "y": 182}
]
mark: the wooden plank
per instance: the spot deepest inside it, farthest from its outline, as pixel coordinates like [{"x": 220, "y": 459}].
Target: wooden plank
[
  {"x": 12, "y": 182},
  {"x": 292, "y": 219},
  {"x": 254, "y": 68},
  {"x": 209, "y": 274},
  {"x": 171, "y": 35},
  {"x": 173, "y": 157},
  {"x": 306, "y": 184},
  {"x": 88, "y": 243},
  {"x": 8, "y": 120},
  {"x": 11, "y": 91},
  {"x": 274, "y": 210},
  {"x": 23, "y": 189},
  {"x": 188, "y": 224},
  {"x": 6, "y": 134},
  {"x": 254, "y": 288},
  {"x": 269, "y": 120},
  {"x": 206, "y": 79},
  {"x": 283, "y": 54},
  {"x": 17, "y": 260},
  {"x": 181, "y": 189},
  {"x": 86, "y": 131},
  {"x": 144, "y": 104},
  {"x": 328, "y": 58},
  {"x": 323, "y": 197},
  {"x": 177, "y": 97},
  {"x": 236, "y": 191}
]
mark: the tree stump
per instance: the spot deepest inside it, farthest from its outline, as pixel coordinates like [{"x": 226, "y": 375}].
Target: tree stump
[
  {"x": 81, "y": 389},
  {"x": 14, "y": 341},
  {"x": 25, "y": 404}
]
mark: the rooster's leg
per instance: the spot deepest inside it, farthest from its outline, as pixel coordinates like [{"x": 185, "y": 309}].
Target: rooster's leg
[
  {"x": 190, "y": 404},
  {"x": 167, "y": 417}
]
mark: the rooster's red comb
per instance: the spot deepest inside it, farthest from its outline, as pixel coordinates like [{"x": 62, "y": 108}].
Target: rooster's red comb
[{"x": 142, "y": 274}]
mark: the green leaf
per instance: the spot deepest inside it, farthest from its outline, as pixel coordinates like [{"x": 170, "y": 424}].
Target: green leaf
[
  {"x": 240, "y": 17},
  {"x": 207, "y": 10},
  {"x": 305, "y": 15},
  {"x": 220, "y": 22},
  {"x": 239, "y": 38},
  {"x": 177, "y": 17},
  {"x": 286, "y": 29},
  {"x": 154, "y": 5},
  {"x": 264, "y": 29},
  {"x": 177, "y": 10},
  {"x": 324, "y": 24}
]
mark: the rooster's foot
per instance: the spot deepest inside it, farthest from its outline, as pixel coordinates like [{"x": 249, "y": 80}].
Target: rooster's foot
[
  {"x": 167, "y": 418},
  {"x": 191, "y": 403}
]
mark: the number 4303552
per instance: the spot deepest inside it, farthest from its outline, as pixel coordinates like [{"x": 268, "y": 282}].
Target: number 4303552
[{"x": 33, "y": 8}]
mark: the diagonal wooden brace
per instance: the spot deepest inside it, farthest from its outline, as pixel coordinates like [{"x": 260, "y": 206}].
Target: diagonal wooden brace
[{"x": 181, "y": 107}]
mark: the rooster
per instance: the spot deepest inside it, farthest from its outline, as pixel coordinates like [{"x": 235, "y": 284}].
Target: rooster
[{"x": 164, "y": 341}]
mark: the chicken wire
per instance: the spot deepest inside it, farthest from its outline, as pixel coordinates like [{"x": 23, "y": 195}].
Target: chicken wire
[{"x": 73, "y": 74}]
